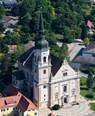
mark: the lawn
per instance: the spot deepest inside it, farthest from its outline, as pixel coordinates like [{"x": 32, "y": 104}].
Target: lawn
[
  {"x": 92, "y": 106},
  {"x": 84, "y": 91},
  {"x": 82, "y": 81},
  {"x": 88, "y": 94}
]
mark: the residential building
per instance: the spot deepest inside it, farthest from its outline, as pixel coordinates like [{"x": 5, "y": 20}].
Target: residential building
[
  {"x": 86, "y": 58},
  {"x": 90, "y": 27},
  {"x": 16, "y": 104}
]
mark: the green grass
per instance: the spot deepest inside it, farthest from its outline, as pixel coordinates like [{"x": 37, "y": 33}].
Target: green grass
[
  {"x": 82, "y": 81},
  {"x": 85, "y": 92},
  {"x": 92, "y": 106}
]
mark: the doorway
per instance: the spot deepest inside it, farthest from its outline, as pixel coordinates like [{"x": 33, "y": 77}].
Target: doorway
[{"x": 65, "y": 100}]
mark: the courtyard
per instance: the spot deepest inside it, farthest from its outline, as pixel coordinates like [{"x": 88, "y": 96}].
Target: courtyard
[{"x": 83, "y": 109}]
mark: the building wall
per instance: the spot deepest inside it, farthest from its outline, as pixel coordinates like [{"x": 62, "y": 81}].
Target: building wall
[
  {"x": 6, "y": 111},
  {"x": 71, "y": 81},
  {"x": 31, "y": 113}
]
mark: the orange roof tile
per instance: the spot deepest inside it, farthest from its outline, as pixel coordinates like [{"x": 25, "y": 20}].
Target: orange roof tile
[
  {"x": 11, "y": 101},
  {"x": 16, "y": 99}
]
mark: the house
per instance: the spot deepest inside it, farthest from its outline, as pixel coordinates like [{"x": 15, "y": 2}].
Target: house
[
  {"x": 12, "y": 49},
  {"x": 29, "y": 45},
  {"x": 16, "y": 104},
  {"x": 90, "y": 27},
  {"x": 9, "y": 20},
  {"x": 87, "y": 57},
  {"x": 74, "y": 49},
  {"x": 9, "y": 3},
  {"x": 46, "y": 79}
]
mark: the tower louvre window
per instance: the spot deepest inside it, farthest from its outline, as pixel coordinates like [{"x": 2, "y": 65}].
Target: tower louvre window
[{"x": 44, "y": 59}]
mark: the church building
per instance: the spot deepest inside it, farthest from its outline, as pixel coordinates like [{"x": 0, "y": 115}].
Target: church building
[{"x": 45, "y": 78}]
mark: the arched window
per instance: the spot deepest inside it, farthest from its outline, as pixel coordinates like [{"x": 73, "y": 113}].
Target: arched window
[{"x": 44, "y": 59}]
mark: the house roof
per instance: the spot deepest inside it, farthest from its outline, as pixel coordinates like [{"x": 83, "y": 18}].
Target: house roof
[
  {"x": 16, "y": 99},
  {"x": 19, "y": 75},
  {"x": 90, "y": 48},
  {"x": 7, "y": 2},
  {"x": 9, "y": 20},
  {"x": 90, "y": 24},
  {"x": 11, "y": 101},
  {"x": 85, "y": 60},
  {"x": 10, "y": 90}
]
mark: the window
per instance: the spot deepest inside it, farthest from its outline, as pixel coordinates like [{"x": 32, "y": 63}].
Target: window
[
  {"x": 44, "y": 86},
  {"x": 65, "y": 74},
  {"x": 44, "y": 59},
  {"x": 35, "y": 113},
  {"x": 65, "y": 100},
  {"x": 44, "y": 71},
  {"x": 65, "y": 88},
  {"x": 2, "y": 110}
]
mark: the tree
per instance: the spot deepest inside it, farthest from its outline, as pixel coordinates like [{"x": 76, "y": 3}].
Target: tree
[
  {"x": 2, "y": 11},
  {"x": 90, "y": 81},
  {"x": 64, "y": 51},
  {"x": 69, "y": 35},
  {"x": 12, "y": 38},
  {"x": 86, "y": 41}
]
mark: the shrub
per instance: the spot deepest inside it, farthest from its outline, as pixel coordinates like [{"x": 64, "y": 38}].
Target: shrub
[
  {"x": 55, "y": 107},
  {"x": 90, "y": 95}
]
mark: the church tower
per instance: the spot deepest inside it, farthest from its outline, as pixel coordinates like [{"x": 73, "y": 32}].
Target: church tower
[{"x": 42, "y": 66}]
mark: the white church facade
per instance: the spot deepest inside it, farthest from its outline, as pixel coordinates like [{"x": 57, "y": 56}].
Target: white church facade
[{"x": 44, "y": 77}]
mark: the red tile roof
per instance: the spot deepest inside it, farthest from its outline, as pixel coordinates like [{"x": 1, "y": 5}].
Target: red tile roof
[
  {"x": 90, "y": 24},
  {"x": 11, "y": 91},
  {"x": 16, "y": 99},
  {"x": 11, "y": 101}
]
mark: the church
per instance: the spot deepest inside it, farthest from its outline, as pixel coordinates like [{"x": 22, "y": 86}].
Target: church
[{"x": 45, "y": 78}]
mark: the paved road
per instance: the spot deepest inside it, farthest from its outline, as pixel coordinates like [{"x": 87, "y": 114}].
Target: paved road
[{"x": 91, "y": 114}]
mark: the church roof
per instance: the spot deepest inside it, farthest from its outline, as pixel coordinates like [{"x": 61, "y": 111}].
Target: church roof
[
  {"x": 24, "y": 56},
  {"x": 27, "y": 60},
  {"x": 56, "y": 64},
  {"x": 19, "y": 75}
]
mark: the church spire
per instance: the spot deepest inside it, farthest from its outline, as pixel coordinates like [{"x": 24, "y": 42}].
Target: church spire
[
  {"x": 41, "y": 23},
  {"x": 41, "y": 42}
]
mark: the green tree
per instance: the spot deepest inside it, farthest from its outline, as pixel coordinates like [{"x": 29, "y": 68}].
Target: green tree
[
  {"x": 2, "y": 11},
  {"x": 12, "y": 38},
  {"x": 90, "y": 81},
  {"x": 86, "y": 41}
]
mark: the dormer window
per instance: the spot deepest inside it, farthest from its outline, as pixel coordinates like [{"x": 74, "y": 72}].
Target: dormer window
[{"x": 44, "y": 59}]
